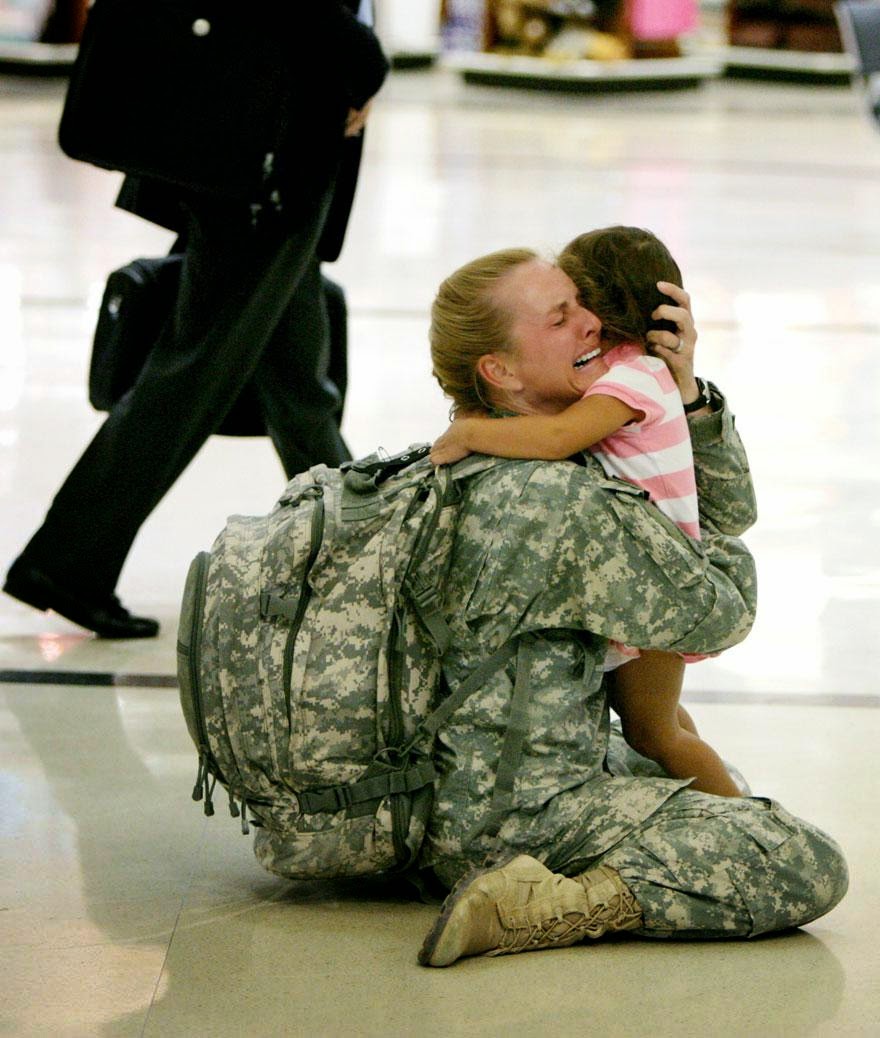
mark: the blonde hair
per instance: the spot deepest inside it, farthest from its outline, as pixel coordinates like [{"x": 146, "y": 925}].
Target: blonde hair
[{"x": 467, "y": 323}]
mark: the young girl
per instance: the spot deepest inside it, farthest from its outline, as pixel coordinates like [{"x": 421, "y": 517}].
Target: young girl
[{"x": 632, "y": 418}]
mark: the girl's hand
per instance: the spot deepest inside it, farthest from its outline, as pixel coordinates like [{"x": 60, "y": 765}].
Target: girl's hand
[
  {"x": 677, "y": 348},
  {"x": 450, "y": 447}
]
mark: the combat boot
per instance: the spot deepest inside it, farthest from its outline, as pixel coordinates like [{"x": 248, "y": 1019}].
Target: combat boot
[{"x": 523, "y": 906}]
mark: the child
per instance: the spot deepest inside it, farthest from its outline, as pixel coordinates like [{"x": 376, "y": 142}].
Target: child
[{"x": 631, "y": 417}]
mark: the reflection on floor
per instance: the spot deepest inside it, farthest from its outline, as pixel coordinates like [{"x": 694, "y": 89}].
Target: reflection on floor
[{"x": 122, "y": 911}]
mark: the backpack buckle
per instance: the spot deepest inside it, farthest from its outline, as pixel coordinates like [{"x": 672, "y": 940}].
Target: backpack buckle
[{"x": 424, "y": 593}]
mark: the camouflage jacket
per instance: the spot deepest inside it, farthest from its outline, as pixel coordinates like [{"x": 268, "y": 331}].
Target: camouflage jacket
[{"x": 563, "y": 558}]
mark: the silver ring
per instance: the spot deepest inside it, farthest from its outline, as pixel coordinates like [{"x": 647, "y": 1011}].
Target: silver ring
[{"x": 679, "y": 347}]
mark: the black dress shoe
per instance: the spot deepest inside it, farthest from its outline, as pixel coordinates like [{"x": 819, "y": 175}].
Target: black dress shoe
[{"x": 105, "y": 614}]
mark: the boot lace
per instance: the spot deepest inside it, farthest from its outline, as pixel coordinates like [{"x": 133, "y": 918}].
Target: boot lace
[{"x": 620, "y": 912}]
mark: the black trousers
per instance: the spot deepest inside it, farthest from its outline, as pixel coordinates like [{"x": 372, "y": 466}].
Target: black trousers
[{"x": 251, "y": 309}]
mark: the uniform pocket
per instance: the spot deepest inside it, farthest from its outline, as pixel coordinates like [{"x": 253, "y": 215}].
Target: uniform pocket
[{"x": 766, "y": 880}]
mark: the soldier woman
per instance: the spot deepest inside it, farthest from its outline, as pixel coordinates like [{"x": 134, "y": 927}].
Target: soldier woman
[{"x": 579, "y": 843}]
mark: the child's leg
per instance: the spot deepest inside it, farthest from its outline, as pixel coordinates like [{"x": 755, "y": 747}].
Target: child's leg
[
  {"x": 646, "y": 692},
  {"x": 686, "y": 721}
]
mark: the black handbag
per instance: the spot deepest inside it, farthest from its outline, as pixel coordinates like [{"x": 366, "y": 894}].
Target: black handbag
[
  {"x": 137, "y": 301},
  {"x": 196, "y": 93}
]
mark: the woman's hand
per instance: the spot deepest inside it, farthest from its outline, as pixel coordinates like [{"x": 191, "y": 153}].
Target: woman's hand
[
  {"x": 677, "y": 348},
  {"x": 450, "y": 447}
]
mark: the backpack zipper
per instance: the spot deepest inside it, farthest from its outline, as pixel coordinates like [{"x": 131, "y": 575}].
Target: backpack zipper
[
  {"x": 207, "y": 764},
  {"x": 316, "y": 535},
  {"x": 397, "y": 645}
]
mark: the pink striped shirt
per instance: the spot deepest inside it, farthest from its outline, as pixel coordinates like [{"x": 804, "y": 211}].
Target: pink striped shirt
[{"x": 654, "y": 453}]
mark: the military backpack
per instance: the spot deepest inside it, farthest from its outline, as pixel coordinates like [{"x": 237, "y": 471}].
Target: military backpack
[{"x": 310, "y": 662}]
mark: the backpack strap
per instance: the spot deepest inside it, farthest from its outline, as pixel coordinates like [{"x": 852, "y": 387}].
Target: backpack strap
[
  {"x": 369, "y": 473},
  {"x": 474, "y": 681},
  {"x": 405, "y": 769},
  {"x": 424, "y": 596},
  {"x": 423, "y": 592},
  {"x": 374, "y": 787},
  {"x": 511, "y": 750},
  {"x": 410, "y": 776}
]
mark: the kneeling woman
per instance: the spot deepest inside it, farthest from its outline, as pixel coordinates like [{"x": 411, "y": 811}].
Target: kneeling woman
[{"x": 565, "y": 560}]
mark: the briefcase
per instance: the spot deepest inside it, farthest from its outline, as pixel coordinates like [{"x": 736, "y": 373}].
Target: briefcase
[{"x": 137, "y": 301}]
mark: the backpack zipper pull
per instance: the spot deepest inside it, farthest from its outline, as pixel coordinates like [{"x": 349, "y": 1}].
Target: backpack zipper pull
[
  {"x": 200, "y": 778},
  {"x": 209, "y": 790}
]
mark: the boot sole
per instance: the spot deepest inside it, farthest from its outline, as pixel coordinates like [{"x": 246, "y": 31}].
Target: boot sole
[{"x": 435, "y": 934}]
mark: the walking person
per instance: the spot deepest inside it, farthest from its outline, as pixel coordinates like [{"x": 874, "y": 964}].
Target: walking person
[{"x": 250, "y": 310}]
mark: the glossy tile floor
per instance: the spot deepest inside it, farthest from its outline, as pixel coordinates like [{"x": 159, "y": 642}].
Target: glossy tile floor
[{"x": 122, "y": 910}]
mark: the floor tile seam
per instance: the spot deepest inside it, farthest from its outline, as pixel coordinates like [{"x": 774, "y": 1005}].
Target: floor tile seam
[
  {"x": 89, "y": 679},
  {"x": 763, "y": 169},
  {"x": 181, "y": 908},
  {"x": 109, "y": 679},
  {"x": 868, "y": 700},
  {"x": 123, "y": 942},
  {"x": 161, "y": 971}
]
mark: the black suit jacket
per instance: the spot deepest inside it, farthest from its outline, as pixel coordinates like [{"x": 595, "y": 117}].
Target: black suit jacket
[{"x": 336, "y": 63}]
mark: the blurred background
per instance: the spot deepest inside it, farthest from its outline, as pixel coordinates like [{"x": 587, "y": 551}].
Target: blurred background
[
  {"x": 743, "y": 141},
  {"x": 741, "y": 133}
]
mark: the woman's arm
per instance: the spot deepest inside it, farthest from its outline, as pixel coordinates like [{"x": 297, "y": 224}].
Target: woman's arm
[
  {"x": 724, "y": 484},
  {"x": 580, "y": 552},
  {"x": 548, "y": 437},
  {"x": 620, "y": 569}
]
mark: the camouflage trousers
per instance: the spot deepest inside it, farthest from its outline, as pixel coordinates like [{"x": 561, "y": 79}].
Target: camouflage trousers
[{"x": 704, "y": 866}]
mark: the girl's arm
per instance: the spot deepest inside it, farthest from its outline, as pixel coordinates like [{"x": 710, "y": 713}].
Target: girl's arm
[{"x": 549, "y": 437}]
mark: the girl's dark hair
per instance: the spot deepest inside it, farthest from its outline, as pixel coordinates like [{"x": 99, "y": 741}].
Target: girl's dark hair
[{"x": 616, "y": 270}]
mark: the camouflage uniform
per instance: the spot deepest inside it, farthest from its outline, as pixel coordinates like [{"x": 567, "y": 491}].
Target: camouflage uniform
[{"x": 564, "y": 558}]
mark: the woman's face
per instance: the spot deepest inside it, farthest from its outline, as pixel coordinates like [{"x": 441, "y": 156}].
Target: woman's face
[{"x": 557, "y": 351}]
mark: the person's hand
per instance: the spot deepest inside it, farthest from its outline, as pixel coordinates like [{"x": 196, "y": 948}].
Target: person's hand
[
  {"x": 357, "y": 119},
  {"x": 676, "y": 348},
  {"x": 450, "y": 447}
]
